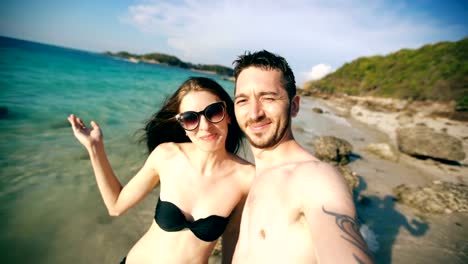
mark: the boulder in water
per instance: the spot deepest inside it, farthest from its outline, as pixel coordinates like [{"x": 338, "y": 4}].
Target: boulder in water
[
  {"x": 3, "y": 112},
  {"x": 317, "y": 110}
]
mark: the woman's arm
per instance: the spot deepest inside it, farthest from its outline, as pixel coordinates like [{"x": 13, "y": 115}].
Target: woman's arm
[{"x": 117, "y": 199}]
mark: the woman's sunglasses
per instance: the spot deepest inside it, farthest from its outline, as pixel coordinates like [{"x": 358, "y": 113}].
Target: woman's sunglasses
[{"x": 214, "y": 113}]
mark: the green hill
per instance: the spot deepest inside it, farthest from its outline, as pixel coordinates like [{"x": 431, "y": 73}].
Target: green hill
[
  {"x": 435, "y": 72},
  {"x": 172, "y": 61}
]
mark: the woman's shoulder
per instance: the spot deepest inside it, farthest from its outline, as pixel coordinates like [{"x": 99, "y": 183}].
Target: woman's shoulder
[
  {"x": 167, "y": 150},
  {"x": 244, "y": 170}
]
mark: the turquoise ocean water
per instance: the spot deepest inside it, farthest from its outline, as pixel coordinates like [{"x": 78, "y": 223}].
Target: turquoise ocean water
[{"x": 50, "y": 207}]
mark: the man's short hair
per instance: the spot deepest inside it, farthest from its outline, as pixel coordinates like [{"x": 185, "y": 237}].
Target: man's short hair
[{"x": 268, "y": 61}]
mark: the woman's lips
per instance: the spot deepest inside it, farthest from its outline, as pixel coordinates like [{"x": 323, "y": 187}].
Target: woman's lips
[{"x": 209, "y": 137}]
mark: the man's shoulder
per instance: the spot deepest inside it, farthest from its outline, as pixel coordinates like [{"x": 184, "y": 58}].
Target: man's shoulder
[
  {"x": 318, "y": 176},
  {"x": 313, "y": 169},
  {"x": 301, "y": 170}
]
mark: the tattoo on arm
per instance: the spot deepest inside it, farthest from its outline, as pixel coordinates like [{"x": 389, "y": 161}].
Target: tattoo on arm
[{"x": 349, "y": 226}]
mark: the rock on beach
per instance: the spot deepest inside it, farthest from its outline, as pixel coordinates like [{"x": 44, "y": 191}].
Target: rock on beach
[
  {"x": 332, "y": 149},
  {"x": 440, "y": 197},
  {"x": 383, "y": 150},
  {"x": 350, "y": 176},
  {"x": 423, "y": 141}
]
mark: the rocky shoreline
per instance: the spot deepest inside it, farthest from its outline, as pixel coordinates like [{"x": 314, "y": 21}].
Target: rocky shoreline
[
  {"x": 408, "y": 121},
  {"x": 407, "y": 165},
  {"x": 421, "y": 131}
]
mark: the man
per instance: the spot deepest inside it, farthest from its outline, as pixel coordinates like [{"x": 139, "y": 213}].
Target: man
[{"x": 299, "y": 209}]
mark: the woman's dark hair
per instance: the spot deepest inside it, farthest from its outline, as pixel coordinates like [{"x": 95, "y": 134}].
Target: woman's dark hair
[
  {"x": 163, "y": 127},
  {"x": 266, "y": 60}
]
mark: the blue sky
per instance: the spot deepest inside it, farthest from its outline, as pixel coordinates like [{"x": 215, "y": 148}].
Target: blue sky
[{"x": 315, "y": 36}]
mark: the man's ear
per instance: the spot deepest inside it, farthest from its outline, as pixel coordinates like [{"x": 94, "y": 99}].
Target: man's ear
[{"x": 295, "y": 103}]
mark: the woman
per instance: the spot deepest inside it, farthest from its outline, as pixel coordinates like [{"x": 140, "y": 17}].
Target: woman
[{"x": 192, "y": 142}]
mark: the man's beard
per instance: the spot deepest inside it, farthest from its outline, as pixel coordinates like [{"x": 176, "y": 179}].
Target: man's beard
[{"x": 273, "y": 139}]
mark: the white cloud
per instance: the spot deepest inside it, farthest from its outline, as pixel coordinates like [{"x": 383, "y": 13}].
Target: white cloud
[
  {"x": 305, "y": 32},
  {"x": 318, "y": 72}
]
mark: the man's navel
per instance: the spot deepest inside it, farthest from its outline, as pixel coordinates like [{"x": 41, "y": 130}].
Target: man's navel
[{"x": 262, "y": 234}]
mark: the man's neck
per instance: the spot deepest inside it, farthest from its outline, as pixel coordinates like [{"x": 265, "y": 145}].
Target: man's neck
[{"x": 275, "y": 155}]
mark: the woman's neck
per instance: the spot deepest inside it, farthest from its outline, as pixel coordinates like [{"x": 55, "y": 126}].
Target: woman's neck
[{"x": 208, "y": 162}]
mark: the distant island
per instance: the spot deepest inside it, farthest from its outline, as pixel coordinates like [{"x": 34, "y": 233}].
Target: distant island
[
  {"x": 433, "y": 72},
  {"x": 160, "y": 58}
]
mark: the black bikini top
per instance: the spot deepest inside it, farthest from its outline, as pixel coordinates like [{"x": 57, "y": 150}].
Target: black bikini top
[{"x": 170, "y": 218}]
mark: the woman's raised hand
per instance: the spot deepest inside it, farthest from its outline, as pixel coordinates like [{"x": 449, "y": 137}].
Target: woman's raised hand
[{"x": 88, "y": 136}]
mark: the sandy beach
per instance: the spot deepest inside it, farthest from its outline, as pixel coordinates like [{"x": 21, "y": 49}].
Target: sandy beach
[{"x": 404, "y": 234}]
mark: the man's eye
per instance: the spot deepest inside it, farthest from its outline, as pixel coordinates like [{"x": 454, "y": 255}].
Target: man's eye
[
  {"x": 240, "y": 101},
  {"x": 268, "y": 99}
]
